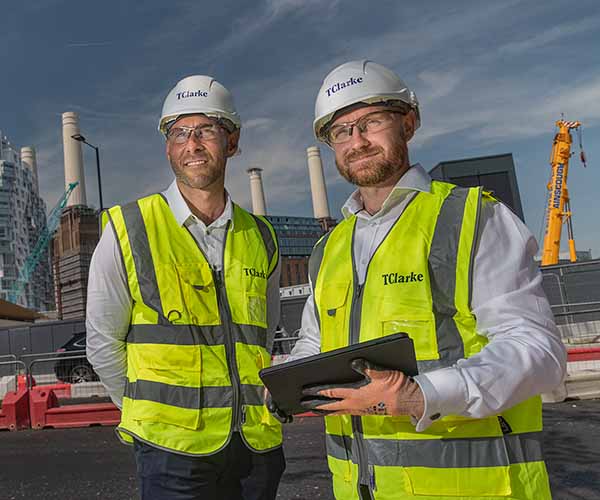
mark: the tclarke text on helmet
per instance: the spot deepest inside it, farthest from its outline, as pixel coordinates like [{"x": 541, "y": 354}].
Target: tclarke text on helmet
[
  {"x": 187, "y": 93},
  {"x": 342, "y": 85}
]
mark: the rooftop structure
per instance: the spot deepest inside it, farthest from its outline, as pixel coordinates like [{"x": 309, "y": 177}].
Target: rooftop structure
[{"x": 495, "y": 173}]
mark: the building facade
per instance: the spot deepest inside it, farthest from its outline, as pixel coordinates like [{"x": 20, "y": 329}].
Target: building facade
[
  {"x": 74, "y": 244},
  {"x": 297, "y": 237},
  {"x": 22, "y": 220}
]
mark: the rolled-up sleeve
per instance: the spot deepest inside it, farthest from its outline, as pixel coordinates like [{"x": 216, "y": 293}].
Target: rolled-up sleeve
[
  {"x": 525, "y": 355},
  {"x": 108, "y": 315}
]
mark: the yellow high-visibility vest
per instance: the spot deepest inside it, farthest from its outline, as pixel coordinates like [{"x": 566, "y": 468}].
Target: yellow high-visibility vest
[
  {"x": 197, "y": 338},
  {"x": 419, "y": 282}
]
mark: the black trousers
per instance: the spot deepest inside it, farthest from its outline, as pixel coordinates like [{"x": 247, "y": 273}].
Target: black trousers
[{"x": 231, "y": 474}]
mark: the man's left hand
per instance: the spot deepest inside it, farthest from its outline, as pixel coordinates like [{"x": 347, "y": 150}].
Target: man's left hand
[{"x": 381, "y": 392}]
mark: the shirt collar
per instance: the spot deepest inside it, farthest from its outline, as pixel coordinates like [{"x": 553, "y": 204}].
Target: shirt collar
[
  {"x": 183, "y": 214},
  {"x": 415, "y": 179}
]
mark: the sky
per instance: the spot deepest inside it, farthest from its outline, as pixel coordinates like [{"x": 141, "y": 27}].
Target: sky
[{"x": 491, "y": 78}]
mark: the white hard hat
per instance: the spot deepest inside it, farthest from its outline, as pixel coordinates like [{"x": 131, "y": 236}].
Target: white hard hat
[
  {"x": 198, "y": 94},
  {"x": 359, "y": 81}
]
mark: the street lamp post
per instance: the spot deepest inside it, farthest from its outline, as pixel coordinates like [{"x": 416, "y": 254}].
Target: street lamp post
[{"x": 80, "y": 138}]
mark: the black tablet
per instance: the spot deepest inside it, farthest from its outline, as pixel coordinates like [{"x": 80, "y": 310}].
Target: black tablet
[{"x": 285, "y": 381}]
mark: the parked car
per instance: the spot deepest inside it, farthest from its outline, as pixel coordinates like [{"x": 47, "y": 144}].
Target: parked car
[{"x": 74, "y": 371}]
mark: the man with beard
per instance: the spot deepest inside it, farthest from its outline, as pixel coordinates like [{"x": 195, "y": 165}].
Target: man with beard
[
  {"x": 469, "y": 425},
  {"x": 183, "y": 301}
]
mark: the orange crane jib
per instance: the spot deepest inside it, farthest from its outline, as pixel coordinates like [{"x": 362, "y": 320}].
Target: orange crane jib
[{"x": 558, "y": 210}]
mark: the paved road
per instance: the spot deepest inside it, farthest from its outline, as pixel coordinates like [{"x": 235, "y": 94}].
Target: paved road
[{"x": 83, "y": 464}]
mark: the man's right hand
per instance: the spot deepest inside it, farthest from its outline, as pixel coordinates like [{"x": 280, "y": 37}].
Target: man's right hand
[{"x": 280, "y": 415}]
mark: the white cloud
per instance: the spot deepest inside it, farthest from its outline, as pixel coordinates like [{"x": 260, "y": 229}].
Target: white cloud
[
  {"x": 550, "y": 35},
  {"x": 255, "y": 123},
  {"x": 439, "y": 84}
]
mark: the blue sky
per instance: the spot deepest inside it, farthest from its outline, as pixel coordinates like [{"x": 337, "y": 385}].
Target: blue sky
[{"x": 492, "y": 77}]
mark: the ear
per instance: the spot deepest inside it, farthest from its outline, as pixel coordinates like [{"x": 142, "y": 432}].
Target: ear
[
  {"x": 233, "y": 140},
  {"x": 409, "y": 123}
]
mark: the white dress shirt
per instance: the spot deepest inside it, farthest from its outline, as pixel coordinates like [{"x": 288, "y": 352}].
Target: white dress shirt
[
  {"x": 525, "y": 355},
  {"x": 109, "y": 303}
]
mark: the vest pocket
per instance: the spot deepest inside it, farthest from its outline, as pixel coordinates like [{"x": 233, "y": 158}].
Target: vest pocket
[
  {"x": 421, "y": 331},
  {"x": 170, "y": 393},
  {"x": 188, "y": 294},
  {"x": 459, "y": 482},
  {"x": 333, "y": 314},
  {"x": 257, "y": 309},
  {"x": 470, "y": 460}
]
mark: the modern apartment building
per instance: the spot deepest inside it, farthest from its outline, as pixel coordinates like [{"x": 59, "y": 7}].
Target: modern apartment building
[
  {"x": 297, "y": 237},
  {"x": 22, "y": 219}
]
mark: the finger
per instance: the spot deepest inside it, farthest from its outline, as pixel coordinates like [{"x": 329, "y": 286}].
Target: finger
[
  {"x": 315, "y": 404},
  {"x": 339, "y": 393},
  {"x": 318, "y": 411},
  {"x": 332, "y": 406},
  {"x": 320, "y": 390}
]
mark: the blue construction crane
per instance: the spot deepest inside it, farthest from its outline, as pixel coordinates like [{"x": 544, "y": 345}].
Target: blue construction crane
[{"x": 40, "y": 247}]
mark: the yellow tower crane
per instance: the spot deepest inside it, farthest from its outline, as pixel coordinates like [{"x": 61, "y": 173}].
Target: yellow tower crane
[{"x": 558, "y": 210}]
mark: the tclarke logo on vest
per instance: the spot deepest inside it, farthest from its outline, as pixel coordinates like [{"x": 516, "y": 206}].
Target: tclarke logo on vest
[
  {"x": 342, "y": 85},
  {"x": 393, "y": 278},
  {"x": 189, "y": 93},
  {"x": 255, "y": 273}
]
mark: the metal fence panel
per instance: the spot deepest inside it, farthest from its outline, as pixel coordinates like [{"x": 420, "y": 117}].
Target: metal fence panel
[
  {"x": 70, "y": 376},
  {"x": 573, "y": 291}
]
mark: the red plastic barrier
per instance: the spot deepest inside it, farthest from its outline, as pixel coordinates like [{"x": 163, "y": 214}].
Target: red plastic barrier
[
  {"x": 59, "y": 390},
  {"x": 14, "y": 414},
  {"x": 583, "y": 354},
  {"x": 45, "y": 412}
]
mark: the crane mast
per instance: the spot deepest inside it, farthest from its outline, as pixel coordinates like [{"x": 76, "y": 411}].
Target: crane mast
[
  {"x": 33, "y": 259},
  {"x": 558, "y": 210}
]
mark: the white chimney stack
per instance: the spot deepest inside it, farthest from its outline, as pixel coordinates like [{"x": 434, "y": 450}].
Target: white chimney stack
[
  {"x": 259, "y": 207},
  {"x": 28, "y": 159},
  {"x": 317, "y": 183},
  {"x": 73, "y": 159}
]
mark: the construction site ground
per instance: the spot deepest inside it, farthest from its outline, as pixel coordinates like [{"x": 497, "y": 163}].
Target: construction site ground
[{"x": 88, "y": 463}]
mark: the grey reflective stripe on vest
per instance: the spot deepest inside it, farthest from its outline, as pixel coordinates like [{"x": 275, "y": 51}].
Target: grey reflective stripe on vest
[
  {"x": 443, "y": 453},
  {"x": 314, "y": 264},
  {"x": 192, "y": 398},
  {"x": 443, "y": 258},
  {"x": 195, "y": 335},
  {"x": 253, "y": 395},
  {"x": 142, "y": 258},
  {"x": 267, "y": 237},
  {"x": 180, "y": 396}
]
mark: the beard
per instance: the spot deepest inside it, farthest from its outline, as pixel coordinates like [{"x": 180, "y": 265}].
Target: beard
[
  {"x": 197, "y": 176},
  {"x": 375, "y": 167}
]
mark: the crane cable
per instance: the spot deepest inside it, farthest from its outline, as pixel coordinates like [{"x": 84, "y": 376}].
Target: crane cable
[{"x": 581, "y": 152}]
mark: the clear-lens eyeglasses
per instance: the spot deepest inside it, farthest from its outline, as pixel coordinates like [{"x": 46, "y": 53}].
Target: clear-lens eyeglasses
[
  {"x": 366, "y": 124},
  {"x": 180, "y": 135}
]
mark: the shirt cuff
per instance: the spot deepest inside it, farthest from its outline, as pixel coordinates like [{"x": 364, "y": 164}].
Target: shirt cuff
[{"x": 444, "y": 392}]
